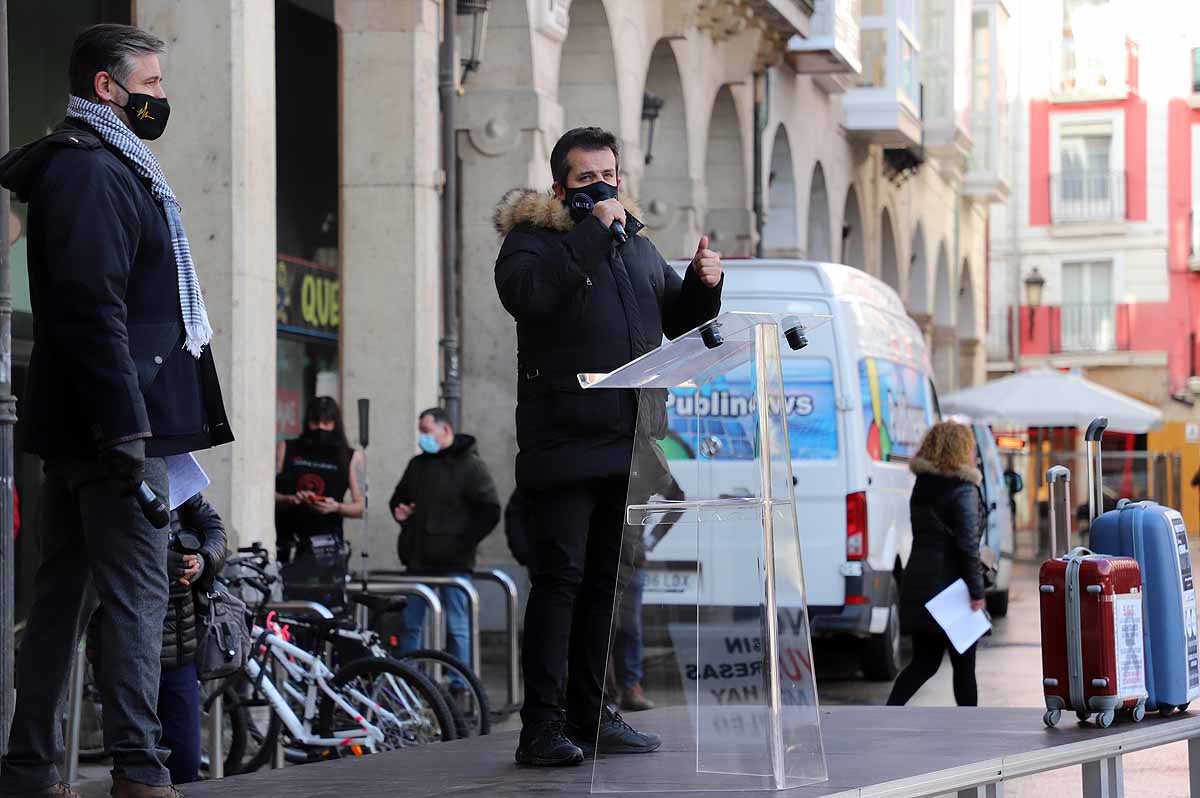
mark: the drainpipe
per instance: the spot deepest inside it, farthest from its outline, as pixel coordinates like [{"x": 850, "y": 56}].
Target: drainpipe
[
  {"x": 760, "y": 122},
  {"x": 447, "y": 88},
  {"x": 8, "y": 417}
]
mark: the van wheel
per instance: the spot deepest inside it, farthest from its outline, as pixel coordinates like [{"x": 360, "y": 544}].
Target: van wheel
[
  {"x": 881, "y": 653},
  {"x": 997, "y": 603}
]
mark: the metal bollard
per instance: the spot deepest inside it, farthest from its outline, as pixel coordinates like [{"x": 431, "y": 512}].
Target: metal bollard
[
  {"x": 509, "y": 587},
  {"x": 74, "y": 715},
  {"x": 216, "y": 733}
]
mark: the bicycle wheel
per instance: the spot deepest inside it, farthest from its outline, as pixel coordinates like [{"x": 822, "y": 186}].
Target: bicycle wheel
[
  {"x": 464, "y": 692},
  {"x": 416, "y": 711},
  {"x": 234, "y": 729}
]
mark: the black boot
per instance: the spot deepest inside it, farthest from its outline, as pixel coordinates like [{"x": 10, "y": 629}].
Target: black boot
[
  {"x": 615, "y": 737},
  {"x": 543, "y": 744}
]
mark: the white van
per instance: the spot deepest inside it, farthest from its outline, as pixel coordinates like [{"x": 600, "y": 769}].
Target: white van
[{"x": 864, "y": 398}]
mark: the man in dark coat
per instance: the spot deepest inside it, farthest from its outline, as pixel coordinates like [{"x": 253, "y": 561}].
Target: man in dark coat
[
  {"x": 121, "y": 377},
  {"x": 446, "y": 504},
  {"x": 583, "y": 301}
]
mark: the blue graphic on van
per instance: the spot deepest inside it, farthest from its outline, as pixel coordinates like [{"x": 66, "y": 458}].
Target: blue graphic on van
[
  {"x": 897, "y": 408},
  {"x": 718, "y": 418}
]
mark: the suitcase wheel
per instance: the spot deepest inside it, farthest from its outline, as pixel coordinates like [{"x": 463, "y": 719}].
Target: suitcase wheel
[
  {"x": 1166, "y": 710},
  {"x": 1183, "y": 707},
  {"x": 1105, "y": 719},
  {"x": 1051, "y": 717},
  {"x": 1083, "y": 715},
  {"x": 1138, "y": 713}
]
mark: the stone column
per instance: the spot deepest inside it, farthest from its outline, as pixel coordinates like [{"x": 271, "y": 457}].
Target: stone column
[
  {"x": 390, "y": 237},
  {"x": 219, "y": 156},
  {"x": 945, "y": 357},
  {"x": 970, "y": 362},
  {"x": 504, "y": 143}
]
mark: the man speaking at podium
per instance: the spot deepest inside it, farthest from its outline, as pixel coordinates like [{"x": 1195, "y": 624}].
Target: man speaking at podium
[{"x": 589, "y": 294}]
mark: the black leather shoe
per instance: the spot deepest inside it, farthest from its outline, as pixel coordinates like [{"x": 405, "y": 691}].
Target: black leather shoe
[
  {"x": 615, "y": 737},
  {"x": 544, "y": 744}
]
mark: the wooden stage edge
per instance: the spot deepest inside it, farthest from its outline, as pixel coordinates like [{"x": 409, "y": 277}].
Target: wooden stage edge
[{"x": 898, "y": 751}]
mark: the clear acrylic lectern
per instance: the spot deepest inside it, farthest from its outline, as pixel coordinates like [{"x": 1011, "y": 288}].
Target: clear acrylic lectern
[{"x": 727, "y": 658}]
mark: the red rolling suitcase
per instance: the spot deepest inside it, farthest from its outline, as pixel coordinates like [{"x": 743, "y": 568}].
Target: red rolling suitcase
[{"x": 1091, "y": 608}]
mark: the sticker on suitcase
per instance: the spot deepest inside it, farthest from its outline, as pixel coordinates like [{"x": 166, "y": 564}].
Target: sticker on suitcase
[
  {"x": 1189, "y": 603},
  {"x": 1131, "y": 661}
]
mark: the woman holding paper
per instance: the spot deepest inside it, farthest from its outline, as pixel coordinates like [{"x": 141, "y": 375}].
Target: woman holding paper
[{"x": 946, "y": 511}]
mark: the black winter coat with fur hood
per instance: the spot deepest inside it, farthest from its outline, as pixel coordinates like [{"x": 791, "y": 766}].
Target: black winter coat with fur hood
[
  {"x": 946, "y": 511},
  {"x": 583, "y": 303}
]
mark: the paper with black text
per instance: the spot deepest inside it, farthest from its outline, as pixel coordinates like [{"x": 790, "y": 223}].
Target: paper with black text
[
  {"x": 952, "y": 610},
  {"x": 185, "y": 477}
]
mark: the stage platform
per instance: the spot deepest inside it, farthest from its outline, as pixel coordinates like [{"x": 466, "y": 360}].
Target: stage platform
[{"x": 878, "y": 751}]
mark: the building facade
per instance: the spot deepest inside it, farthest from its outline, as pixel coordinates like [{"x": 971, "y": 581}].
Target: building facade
[
  {"x": 1105, "y": 171},
  {"x": 304, "y": 147}
]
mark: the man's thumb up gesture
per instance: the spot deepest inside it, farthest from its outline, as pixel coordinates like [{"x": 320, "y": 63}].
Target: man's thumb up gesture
[{"x": 707, "y": 263}]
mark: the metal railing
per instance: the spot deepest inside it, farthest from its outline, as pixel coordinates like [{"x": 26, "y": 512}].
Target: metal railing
[
  {"x": 404, "y": 578},
  {"x": 999, "y": 334},
  {"x": 1088, "y": 327},
  {"x": 1087, "y": 196}
]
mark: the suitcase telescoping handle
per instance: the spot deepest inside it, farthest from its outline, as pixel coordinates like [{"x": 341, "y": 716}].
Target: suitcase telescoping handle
[
  {"x": 1059, "y": 480},
  {"x": 1095, "y": 432}
]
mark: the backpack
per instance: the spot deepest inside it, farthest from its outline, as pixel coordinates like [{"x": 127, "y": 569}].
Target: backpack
[{"x": 222, "y": 636}]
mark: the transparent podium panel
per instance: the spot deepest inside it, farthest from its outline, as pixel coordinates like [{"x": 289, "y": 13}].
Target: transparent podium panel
[{"x": 710, "y": 624}]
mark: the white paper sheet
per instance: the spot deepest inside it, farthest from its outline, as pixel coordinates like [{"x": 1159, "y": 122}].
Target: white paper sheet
[
  {"x": 185, "y": 477},
  {"x": 952, "y": 610}
]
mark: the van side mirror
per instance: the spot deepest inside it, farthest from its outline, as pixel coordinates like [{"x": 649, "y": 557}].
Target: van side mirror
[{"x": 1014, "y": 482}]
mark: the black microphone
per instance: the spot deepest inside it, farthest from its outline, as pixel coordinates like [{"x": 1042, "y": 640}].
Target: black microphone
[
  {"x": 585, "y": 203},
  {"x": 152, "y": 507}
]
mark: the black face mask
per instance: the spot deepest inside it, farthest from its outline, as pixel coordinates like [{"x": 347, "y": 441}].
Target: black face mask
[
  {"x": 147, "y": 114},
  {"x": 596, "y": 192},
  {"x": 324, "y": 437}
]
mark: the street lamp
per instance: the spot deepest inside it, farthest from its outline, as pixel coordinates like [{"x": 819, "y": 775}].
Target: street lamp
[
  {"x": 474, "y": 28},
  {"x": 651, "y": 106},
  {"x": 1034, "y": 283}
]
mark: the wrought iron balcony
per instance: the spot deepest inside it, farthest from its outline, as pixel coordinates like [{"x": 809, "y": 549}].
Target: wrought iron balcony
[
  {"x": 1088, "y": 327},
  {"x": 1087, "y": 196}
]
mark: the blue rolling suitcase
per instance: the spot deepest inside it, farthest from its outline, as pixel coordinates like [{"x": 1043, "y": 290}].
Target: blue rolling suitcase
[{"x": 1156, "y": 537}]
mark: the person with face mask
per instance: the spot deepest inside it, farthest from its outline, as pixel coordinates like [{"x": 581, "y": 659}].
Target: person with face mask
[
  {"x": 121, "y": 377},
  {"x": 586, "y": 297},
  {"x": 446, "y": 504},
  {"x": 314, "y": 472}
]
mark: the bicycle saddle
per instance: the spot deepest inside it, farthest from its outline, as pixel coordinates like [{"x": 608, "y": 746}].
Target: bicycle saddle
[{"x": 379, "y": 604}]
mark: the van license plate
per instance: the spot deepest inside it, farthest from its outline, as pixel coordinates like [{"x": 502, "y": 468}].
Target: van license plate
[{"x": 669, "y": 581}]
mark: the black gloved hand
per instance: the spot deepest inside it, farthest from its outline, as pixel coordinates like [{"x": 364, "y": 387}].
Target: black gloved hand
[{"x": 126, "y": 462}]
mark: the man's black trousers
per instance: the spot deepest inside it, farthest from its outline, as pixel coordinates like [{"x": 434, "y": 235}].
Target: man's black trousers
[{"x": 576, "y": 534}]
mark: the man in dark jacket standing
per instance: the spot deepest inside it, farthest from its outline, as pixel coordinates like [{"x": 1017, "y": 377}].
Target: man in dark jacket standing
[
  {"x": 121, "y": 377},
  {"x": 583, "y": 302},
  {"x": 446, "y": 504}
]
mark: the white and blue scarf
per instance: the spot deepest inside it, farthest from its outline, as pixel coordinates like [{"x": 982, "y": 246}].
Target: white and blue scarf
[{"x": 118, "y": 135}]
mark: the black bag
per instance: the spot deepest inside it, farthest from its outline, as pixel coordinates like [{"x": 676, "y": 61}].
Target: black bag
[
  {"x": 317, "y": 572},
  {"x": 222, "y": 635}
]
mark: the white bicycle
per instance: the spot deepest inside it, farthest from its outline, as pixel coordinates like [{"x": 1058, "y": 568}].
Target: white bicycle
[{"x": 371, "y": 704}]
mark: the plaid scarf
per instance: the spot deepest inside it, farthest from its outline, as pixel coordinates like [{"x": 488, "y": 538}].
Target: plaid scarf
[{"x": 118, "y": 135}]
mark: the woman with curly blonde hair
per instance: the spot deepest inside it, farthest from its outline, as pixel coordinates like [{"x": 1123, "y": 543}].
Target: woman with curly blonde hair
[{"x": 946, "y": 510}]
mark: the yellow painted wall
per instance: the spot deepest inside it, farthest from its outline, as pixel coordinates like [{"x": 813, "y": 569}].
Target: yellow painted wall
[{"x": 1172, "y": 438}]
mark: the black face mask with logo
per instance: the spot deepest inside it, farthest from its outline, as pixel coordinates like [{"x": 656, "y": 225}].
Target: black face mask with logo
[
  {"x": 147, "y": 114},
  {"x": 596, "y": 192}
]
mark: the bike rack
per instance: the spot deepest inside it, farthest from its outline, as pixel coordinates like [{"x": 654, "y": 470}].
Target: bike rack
[
  {"x": 216, "y": 723},
  {"x": 509, "y": 587},
  {"x": 435, "y": 629},
  {"x": 463, "y": 584},
  {"x": 74, "y": 708}
]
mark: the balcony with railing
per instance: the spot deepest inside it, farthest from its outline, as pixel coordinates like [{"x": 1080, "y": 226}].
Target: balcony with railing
[
  {"x": 988, "y": 171},
  {"x": 999, "y": 335},
  {"x": 1087, "y": 327},
  {"x": 885, "y": 106},
  {"x": 1087, "y": 196}
]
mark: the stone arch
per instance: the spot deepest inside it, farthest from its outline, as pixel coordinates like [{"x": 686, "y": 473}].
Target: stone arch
[
  {"x": 727, "y": 221},
  {"x": 820, "y": 227},
  {"x": 854, "y": 250},
  {"x": 587, "y": 91},
  {"x": 889, "y": 259},
  {"x": 781, "y": 235},
  {"x": 666, "y": 192},
  {"x": 917, "y": 298}
]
